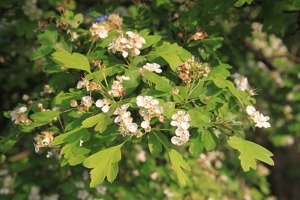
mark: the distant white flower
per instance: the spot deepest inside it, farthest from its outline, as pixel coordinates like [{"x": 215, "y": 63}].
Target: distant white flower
[
  {"x": 241, "y": 82},
  {"x": 152, "y": 67},
  {"x": 14, "y": 114}
]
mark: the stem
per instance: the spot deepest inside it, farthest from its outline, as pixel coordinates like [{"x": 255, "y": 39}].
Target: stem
[{"x": 90, "y": 49}]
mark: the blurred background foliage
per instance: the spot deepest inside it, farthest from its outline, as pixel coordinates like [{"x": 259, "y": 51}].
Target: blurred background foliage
[{"x": 261, "y": 41}]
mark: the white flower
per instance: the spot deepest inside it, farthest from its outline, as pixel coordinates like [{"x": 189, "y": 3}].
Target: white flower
[
  {"x": 104, "y": 104},
  {"x": 180, "y": 140},
  {"x": 180, "y": 119},
  {"x": 261, "y": 121},
  {"x": 241, "y": 82},
  {"x": 152, "y": 67},
  {"x": 258, "y": 118},
  {"x": 250, "y": 110},
  {"x": 145, "y": 124}
]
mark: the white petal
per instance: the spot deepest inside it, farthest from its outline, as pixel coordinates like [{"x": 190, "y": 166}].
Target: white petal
[
  {"x": 23, "y": 109},
  {"x": 266, "y": 125},
  {"x": 174, "y": 123},
  {"x": 124, "y": 54},
  {"x": 176, "y": 140},
  {"x": 133, "y": 127},
  {"x": 105, "y": 108},
  {"x": 126, "y": 78},
  {"x": 185, "y": 125},
  {"x": 250, "y": 110},
  {"x": 99, "y": 103},
  {"x": 145, "y": 124}
]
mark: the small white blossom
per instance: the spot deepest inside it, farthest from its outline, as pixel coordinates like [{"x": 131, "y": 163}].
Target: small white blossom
[
  {"x": 258, "y": 118},
  {"x": 152, "y": 67}
]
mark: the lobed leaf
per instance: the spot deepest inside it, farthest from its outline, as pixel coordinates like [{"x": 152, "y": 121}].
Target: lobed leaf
[
  {"x": 178, "y": 163},
  {"x": 250, "y": 152},
  {"x": 104, "y": 164}
]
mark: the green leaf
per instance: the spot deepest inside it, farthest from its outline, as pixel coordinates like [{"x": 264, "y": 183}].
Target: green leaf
[
  {"x": 173, "y": 54},
  {"x": 150, "y": 39},
  {"x": 178, "y": 163},
  {"x": 199, "y": 117},
  {"x": 7, "y": 145},
  {"x": 72, "y": 152},
  {"x": 73, "y": 61},
  {"x": 161, "y": 83},
  {"x": 196, "y": 146},
  {"x": 240, "y": 3},
  {"x": 45, "y": 116},
  {"x": 208, "y": 140},
  {"x": 250, "y": 152},
  {"x": 102, "y": 120},
  {"x": 104, "y": 164},
  {"x": 154, "y": 144}
]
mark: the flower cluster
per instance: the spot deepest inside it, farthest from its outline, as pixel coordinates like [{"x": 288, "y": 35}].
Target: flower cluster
[
  {"x": 125, "y": 121},
  {"x": 181, "y": 120},
  {"x": 101, "y": 29},
  {"x": 127, "y": 44},
  {"x": 89, "y": 85},
  {"x": 117, "y": 89},
  {"x": 18, "y": 115},
  {"x": 152, "y": 67},
  {"x": 258, "y": 118},
  {"x": 150, "y": 108},
  {"x": 43, "y": 140},
  {"x": 192, "y": 70}
]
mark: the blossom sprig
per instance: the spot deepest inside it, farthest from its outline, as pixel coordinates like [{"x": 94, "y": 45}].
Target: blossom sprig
[
  {"x": 149, "y": 108},
  {"x": 117, "y": 89},
  {"x": 43, "y": 140},
  {"x": 192, "y": 70},
  {"x": 126, "y": 125},
  {"x": 129, "y": 44},
  {"x": 89, "y": 85},
  {"x": 18, "y": 115},
  {"x": 181, "y": 121},
  {"x": 260, "y": 120},
  {"x": 101, "y": 29}
]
